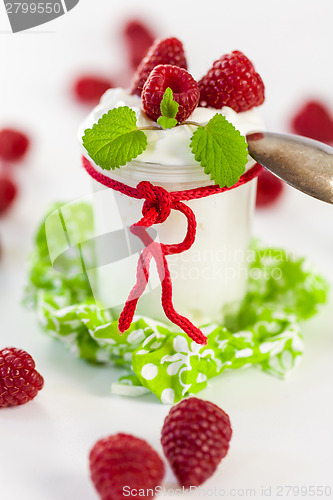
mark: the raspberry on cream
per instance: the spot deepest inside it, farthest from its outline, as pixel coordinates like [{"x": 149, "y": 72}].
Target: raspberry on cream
[
  {"x": 186, "y": 94},
  {"x": 233, "y": 82},
  {"x": 166, "y": 51}
]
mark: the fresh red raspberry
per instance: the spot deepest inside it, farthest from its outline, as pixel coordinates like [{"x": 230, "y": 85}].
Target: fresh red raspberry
[
  {"x": 167, "y": 51},
  {"x": 138, "y": 39},
  {"x": 184, "y": 87},
  {"x": 124, "y": 460},
  {"x": 315, "y": 121},
  {"x": 88, "y": 89},
  {"x": 8, "y": 193},
  {"x": 195, "y": 438},
  {"x": 232, "y": 81},
  {"x": 19, "y": 381},
  {"x": 269, "y": 188},
  {"x": 13, "y": 144}
]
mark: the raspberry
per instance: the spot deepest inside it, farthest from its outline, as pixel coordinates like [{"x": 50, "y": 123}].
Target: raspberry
[
  {"x": 123, "y": 460},
  {"x": 195, "y": 438},
  {"x": 184, "y": 87},
  {"x": 269, "y": 188},
  {"x": 88, "y": 89},
  {"x": 7, "y": 193},
  {"x": 233, "y": 82},
  {"x": 314, "y": 120},
  {"x": 13, "y": 144},
  {"x": 138, "y": 39},
  {"x": 19, "y": 381},
  {"x": 167, "y": 51}
]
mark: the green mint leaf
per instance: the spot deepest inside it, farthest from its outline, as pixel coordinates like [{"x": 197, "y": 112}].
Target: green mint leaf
[
  {"x": 115, "y": 139},
  {"x": 169, "y": 107},
  {"x": 221, "y": 150},
  {"x": 166, "y": 122}
]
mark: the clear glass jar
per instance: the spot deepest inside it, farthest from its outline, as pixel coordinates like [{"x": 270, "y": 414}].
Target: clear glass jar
[{"x": 207, "y": 279}]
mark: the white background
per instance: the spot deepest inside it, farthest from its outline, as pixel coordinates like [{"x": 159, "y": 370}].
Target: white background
[{"x": 282, "y": 430}]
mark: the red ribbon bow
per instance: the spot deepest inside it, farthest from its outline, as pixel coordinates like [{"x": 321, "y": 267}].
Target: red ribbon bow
[{"x": 156, "y": 209}]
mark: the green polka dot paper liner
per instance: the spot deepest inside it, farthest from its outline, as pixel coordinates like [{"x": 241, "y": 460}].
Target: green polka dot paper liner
[{"x": 283, "y": 291}]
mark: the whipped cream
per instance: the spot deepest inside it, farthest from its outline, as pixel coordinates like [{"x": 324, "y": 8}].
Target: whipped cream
[{"x": 170, "y": 146}]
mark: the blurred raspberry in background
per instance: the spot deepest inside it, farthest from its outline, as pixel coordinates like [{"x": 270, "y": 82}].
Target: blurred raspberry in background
[
  {"x": 13, "y": 144},
  {"x": 88, "y": 89},
  {"x": 269, "y": 189},
  {"x": 315, "y": 120},
  {"x": 138, "y": 38},
  {"x": 8, "y": 192}
]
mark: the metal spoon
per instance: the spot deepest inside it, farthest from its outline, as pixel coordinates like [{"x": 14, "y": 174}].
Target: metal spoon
[{"x": 305, "y": 164}]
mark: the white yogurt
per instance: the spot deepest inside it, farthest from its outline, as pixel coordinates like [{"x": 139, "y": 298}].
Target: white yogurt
[{"x": 209, "y": 277}]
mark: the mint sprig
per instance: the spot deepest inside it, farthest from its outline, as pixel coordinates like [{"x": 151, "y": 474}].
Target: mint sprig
[
  {"x": 169, "y": 110},
  {"x": 115, "y": 139},
  {"x": 221, "y": 150}
]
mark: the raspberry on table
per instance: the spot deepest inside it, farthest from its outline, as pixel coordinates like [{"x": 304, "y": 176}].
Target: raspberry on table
[
  {"x": 166, "y": 51},
  {"x": 184, "y": 87},
  {"x": 269, "y": 189},
  {"x": 13, "y": 144},
  {"x": 8, "y": 192},
  {"x": 124, "y": 460},
  {"x": 19, "y": 381},
  {"x": 195, "y": 438},
  {"x": 232, "y": 81},
  {"x": 314, "y": 120},
  {"x": 138, "y": 39},
  {"x": 88, "y": 89}
]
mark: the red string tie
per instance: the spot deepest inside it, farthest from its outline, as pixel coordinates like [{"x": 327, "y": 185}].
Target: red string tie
[{"x": 156, "y": 208}]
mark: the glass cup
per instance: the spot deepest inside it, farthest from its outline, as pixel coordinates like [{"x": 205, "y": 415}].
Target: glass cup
[{"x": 208, "y": 279}]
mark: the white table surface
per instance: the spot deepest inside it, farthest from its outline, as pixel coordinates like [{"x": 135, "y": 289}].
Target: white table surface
[{"x": 282, "y": 429}]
